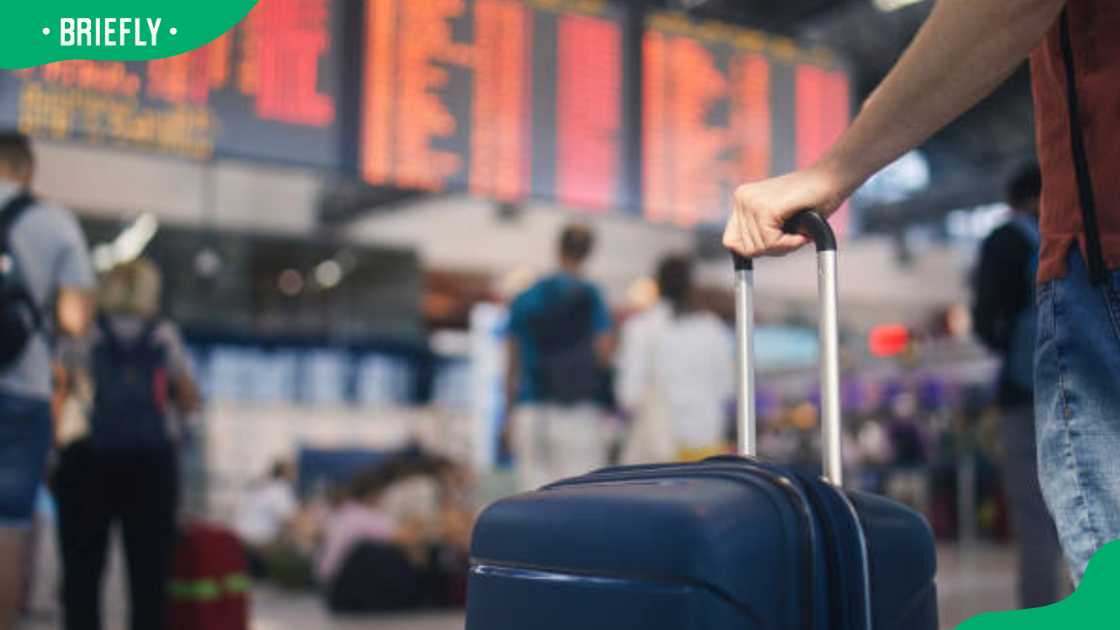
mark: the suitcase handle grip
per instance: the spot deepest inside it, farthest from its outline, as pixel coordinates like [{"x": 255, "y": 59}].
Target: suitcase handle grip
[
  {"x": 806, "y": 222},
  {"x": 813, "y": 225}
]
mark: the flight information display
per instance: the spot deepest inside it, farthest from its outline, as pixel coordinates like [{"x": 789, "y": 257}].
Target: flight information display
[
  {"x": 502, "y": 98},
  {"x": 722, "y": 106},
  {"x": 268, "y": 89}
]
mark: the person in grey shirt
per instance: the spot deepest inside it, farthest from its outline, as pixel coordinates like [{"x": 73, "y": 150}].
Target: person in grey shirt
[{"x": 52, "y": 261}]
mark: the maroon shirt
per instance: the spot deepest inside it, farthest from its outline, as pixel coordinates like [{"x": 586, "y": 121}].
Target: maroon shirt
[{"x": 1095, "y": 36}]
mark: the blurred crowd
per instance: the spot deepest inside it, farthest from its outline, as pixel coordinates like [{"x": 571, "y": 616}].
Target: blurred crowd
[{"x": 394, "y": 537}]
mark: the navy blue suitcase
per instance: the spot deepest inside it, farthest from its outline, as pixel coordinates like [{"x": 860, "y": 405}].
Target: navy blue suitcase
[{"x": 728, "y": 543}]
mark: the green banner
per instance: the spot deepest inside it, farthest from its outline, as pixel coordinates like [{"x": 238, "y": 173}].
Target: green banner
[
  {"x": 36, "y": 33},
  {"x": 1089, "y": 608}
]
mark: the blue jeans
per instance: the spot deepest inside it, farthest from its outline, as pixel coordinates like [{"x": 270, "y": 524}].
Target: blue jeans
[
  {"x": 1077, "y": 409},
  {"x": 25, "y": 441}
]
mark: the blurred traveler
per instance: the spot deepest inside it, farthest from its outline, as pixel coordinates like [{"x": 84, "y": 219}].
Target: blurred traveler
[
  {"x": 559, "y": 349},
  {"x": 265, "y": 511},
  {"x": 124, "y": 469},
  {"x": 675, "y": 374},
  {"x": 1005, "y": 319},
  {"x": 963, "y": 52},
  {"x": 401, "y": 541},
  {"x": 45, "y": 283},
  {"x": 358, "y": 520}
]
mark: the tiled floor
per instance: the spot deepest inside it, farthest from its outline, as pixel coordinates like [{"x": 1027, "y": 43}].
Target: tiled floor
[{"x": 969, "y": 582}]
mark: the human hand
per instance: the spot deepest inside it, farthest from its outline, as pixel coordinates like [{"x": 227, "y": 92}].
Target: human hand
[{"x": 761, "y": 208}]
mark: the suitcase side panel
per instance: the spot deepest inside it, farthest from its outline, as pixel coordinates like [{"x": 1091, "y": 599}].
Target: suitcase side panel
[
  {"x": 736, "y": 536},
  {"x": 902, "y": 564},
  {"x": 832, "y": 530},
  {"x": 810, "y": 565}
]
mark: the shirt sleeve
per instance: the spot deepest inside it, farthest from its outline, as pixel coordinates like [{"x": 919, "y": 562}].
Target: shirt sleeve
[{"x": 73, "y": 267}]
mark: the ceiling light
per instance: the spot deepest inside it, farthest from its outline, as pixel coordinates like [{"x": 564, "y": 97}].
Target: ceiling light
[
  {"x": 207, "y": 263},
  {"x": 290, "y": 282},
  {"x": 328, "y": 274}
]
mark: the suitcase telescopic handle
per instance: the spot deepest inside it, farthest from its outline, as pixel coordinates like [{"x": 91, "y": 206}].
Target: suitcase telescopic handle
[{"x": 814, "y": 226}]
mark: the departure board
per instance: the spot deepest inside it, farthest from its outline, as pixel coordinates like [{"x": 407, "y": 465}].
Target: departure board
[
  {"x": 722, "y": 106},
  {"x": 507, "y": 99},
  {"x": 268, "y": 89}
]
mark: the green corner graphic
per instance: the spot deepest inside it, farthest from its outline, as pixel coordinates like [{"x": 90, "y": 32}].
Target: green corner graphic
[
  {"x": 1091, "y": 607},
  {"x": 36, "y": 33}
]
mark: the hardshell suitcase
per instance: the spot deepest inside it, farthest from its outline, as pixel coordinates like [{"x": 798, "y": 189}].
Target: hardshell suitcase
[
  {"x": 209, "y": 587},
  {"x": 728, "y": 543}
]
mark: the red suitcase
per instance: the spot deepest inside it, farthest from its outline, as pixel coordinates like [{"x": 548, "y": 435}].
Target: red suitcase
[{"x": 209, "y": 588}]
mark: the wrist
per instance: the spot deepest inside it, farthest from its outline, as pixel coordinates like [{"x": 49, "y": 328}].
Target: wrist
[{"x": 840, "y": 176}]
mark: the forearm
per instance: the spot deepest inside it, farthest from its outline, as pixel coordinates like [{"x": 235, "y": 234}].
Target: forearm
[
  {"x": 965, "y": 50},
  {"x": 74, "y": 311}
]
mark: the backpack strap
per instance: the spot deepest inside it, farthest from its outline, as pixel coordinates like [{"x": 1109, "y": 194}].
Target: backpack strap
[
  {"x": 1096, "y": 263},
  {"x": 108, "y": 335},
  {"x": 9, "y": 216},
  {"x": 148, "y": 333}
]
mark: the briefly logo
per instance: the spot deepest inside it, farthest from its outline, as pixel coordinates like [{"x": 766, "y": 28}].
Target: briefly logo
[
  {"x": 37, "y": 33},
  {"x": 86, "y": 32},
  {"x": 1092, "y": 606}
]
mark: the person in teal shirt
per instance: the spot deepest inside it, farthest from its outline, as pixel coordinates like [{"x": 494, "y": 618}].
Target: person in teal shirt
[{"x": 559, "y": 346}]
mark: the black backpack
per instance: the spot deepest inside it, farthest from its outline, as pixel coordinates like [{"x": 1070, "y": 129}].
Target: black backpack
[
  {"x": 131, "y": 390},
  {"x": 567, "y": 369},
  {"x": 20, "y": 317}
]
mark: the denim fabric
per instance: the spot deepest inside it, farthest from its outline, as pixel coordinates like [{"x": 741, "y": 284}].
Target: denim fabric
[
  {"x": 1077, "y": 405},
  {"x": 25, "y": 440}
]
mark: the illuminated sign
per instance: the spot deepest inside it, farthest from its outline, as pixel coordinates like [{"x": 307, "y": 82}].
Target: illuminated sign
[
  {"x": 502, "y": 98},
  {"x": 265, "y": 90},
  {"x": 888, "y": 340},
  {"x": 724, "y": 105}
]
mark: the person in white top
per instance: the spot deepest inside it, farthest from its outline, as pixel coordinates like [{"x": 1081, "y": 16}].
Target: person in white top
[
  {"x": 266, "y": 508},
  {"x": 675, "y": 374}
]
